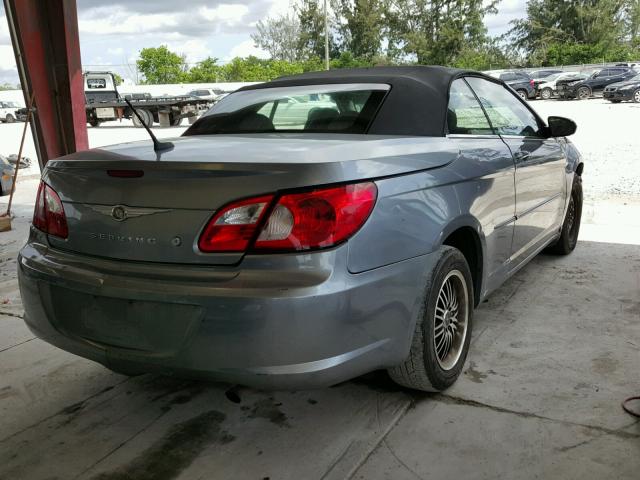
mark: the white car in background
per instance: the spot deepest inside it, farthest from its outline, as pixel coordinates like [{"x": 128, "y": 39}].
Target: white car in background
[
  {"x": 8, "y": 111},
  {"x": 548, "y": 88},
  {"x": 212, "y": 94}
]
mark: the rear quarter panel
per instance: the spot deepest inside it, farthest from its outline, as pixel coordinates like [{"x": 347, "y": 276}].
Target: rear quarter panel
[{"x": 415, "y": 213}]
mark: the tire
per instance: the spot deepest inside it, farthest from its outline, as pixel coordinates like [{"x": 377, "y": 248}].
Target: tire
[
  {"x": 523, "y": 94},
  {"x": 175, "y": 122},
  {"x": 428, "y": 367},
  {"x": 9, "y": 118},
  {"x": 94, "y": 122},
  {"x": 546, "y": 93},
  {"x": 583, "y": 93},
  {"x": 571, "y": 224},
  {"x": 636, "y": 96},
  {"x": 146, "y": 115}
]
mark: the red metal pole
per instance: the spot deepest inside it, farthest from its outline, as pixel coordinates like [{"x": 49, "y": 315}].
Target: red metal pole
[{"x": 47, "y": 49}]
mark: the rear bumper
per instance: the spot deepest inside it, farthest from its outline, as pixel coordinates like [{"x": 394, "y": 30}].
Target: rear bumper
[{"x": 285, "y": 321}]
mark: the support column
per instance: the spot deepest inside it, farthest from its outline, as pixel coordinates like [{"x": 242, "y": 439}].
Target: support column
[{"x": 47, "y": 48}]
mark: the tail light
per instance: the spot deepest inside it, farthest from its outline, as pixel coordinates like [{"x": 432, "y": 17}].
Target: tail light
[
  {"x": 312, "y": 220},
  {"x": 48, "y": 215}
]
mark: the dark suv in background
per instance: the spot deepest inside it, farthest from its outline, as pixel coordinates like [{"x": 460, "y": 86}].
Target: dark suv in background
[
  {"x": 521, "y": 82},
  {"x": 596, "y": 83}
]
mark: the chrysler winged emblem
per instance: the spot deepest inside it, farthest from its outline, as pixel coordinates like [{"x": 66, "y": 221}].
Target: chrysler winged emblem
[{"x": 121, "y": 213}]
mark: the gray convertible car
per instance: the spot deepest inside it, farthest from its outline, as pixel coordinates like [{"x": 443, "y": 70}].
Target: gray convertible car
[{"x": 293, "y": 251}]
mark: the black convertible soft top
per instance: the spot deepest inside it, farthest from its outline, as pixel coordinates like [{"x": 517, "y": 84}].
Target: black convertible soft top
[{"x": 416, "y": 104}]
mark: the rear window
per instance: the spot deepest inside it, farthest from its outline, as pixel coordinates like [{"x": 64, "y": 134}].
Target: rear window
[{"x": 343, "y": 108}]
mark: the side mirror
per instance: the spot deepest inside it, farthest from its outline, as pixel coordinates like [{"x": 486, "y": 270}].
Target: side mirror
[{"x": 561, "y": 127}]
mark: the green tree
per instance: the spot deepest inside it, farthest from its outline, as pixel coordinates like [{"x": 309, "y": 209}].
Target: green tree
[
  {"x": 117, "y": 79},
  {"x": 206, "y": 71},
  {"x": 436, "y": 31},
  {"x": 311, "y": 40},
  {"x": 632, "y": 21},
  {"x": 9, "y": 86},
  {"x": 361, "y": 24},
  {"x": 280, "y": 37},
  {"x": 160, "y": 65},
  {"x": 594, "y": 24}
]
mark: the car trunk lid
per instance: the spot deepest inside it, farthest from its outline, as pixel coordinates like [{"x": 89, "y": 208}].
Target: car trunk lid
[{"x": 126, "y": 202}]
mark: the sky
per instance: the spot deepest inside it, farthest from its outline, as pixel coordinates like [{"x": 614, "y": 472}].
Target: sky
[{"x": 112, "y": 33}]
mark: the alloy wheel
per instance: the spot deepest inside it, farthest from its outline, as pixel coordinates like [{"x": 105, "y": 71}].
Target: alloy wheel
[
  {"x": 583, "y": 93},
  {"x": 636, "y": 96},
  {"x": 451, "y": 320}
]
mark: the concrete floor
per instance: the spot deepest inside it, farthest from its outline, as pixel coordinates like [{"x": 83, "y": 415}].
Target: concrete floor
[{"x": 554, "y": 352}]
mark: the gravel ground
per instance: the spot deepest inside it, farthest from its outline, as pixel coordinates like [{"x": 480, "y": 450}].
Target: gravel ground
[{"x": 608, "y": 138}]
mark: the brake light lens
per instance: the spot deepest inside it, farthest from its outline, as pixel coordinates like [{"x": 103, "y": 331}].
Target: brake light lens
[
  {"x": 234, "y": 226},
  {"x": 316, "y": 219},
  {"x": 49, "y": 215}
]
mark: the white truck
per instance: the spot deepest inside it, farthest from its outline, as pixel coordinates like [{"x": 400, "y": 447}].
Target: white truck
[
  {"x": 104, "y": 103},
  {"x": 8, "y": 111}
]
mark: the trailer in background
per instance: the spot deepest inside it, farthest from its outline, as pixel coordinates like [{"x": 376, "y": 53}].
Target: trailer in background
[{"x": 104, "y": 103}]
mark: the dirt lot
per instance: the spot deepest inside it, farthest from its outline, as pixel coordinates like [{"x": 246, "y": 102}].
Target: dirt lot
[{"x": 554, "y": 351}]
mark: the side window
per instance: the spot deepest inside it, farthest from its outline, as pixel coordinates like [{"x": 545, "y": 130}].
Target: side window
[
  {"x": 464, "y": 114},
  {"x": 506, "y": 112},
  {"x": 507, "y": 77}
]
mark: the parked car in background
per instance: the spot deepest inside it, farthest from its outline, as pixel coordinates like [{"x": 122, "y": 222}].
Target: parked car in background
[
  {"x": 299, "y": 255},
  {"x": 547, "y": 89},
  {"x": 8, "y": 111},
  {"x": 211, "y": 94},
  {"x": 628, "y": 90},
  {"x": 542, "y": 74},
  {"x": 596, "y": 83},
  {"x": 521, "y": 82}
]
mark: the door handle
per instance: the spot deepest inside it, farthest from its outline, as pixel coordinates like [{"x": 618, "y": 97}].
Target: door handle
[{"x": 521, "y": 156}]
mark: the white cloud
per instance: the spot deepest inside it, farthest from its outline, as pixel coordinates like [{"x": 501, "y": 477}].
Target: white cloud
[
  {"x": 225, "y": 13},
  {"x": 4, "y": 31},
  {"x": 280, "y": 7},
  {"x": 7, "y": 59},
  {"x": 194, "y": 50},
  {"x": 246, "y": 48},
  {"x": 121, "y": 21},
  {"x": 115, "y": 51}
]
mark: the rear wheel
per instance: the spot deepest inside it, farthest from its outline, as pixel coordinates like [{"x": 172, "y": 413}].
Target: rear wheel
[
  {"x": 9, "y": 118},
  {"x": 443, "y": 329},
  {"x": 571, "y": 225},
  {"x": 146, "y": 116},
  {"x": 584, "y": 93},
  {"x": 636, "y": 96},
  {"x": 94, "y": 122},
  {"x": 523, "y": 94},
  {"x": 546, "y": 93},
  {"x": 176, "y": 121}
]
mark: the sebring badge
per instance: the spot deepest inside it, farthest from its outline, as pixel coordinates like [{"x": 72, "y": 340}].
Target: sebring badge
[{"x": 121, "y": 213}]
